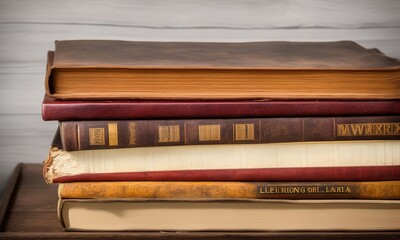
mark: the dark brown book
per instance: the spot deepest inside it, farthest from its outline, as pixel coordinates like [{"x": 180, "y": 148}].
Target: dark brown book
[
  {"x": 103, "y": 69},
  {"x": 67, "y": 110},
  {"x": 86, "y": 135}
]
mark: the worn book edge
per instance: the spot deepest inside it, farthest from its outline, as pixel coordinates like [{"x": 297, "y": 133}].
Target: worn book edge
[
  {"x": 62, "y": 163},
  {"x": 50, "y": 165}
]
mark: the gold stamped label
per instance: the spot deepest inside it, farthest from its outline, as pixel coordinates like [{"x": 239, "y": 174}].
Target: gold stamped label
[
  {"x": 209, "y": 132},
  {"x": 368, "y": 129},
  {"x": 96, "y": 136},
  {"x": 112, "y": 134},
  {"x": 312, "y": 189},
  {"x": 244, "y": 132},
  {"x": 132, "y": 133},
  {"x": 168, "y": 134}
]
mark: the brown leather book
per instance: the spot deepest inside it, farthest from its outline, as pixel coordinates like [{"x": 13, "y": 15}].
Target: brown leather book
[
  {"x": 88, "y": 135},
  {"x": 236, "y": 190},
  {"x": 104, "y": 69}
]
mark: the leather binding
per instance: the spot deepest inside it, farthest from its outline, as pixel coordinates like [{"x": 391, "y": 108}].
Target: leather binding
[
  {"x": 247, "y": 190},
  {"x": 118, "y": 110},
  {"x": 104, "y": 69},
  {"x": 87, "y": 135},
  {"x": 298, "y": 174}
]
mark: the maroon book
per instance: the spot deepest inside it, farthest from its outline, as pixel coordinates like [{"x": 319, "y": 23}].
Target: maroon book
[
  {"x": 111, "y": 134},
  {"x": 103, "y": 110},
  {"x": 356, "y": 173}
]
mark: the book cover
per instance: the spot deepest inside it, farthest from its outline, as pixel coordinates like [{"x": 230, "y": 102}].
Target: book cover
[
  {"x": 190, "y": 70},
  {"x": 118, "y": 109},
  {"x": 228, "y": 215},
  {"x": 294, "y": 174},
  {"x": 88, "y": 135},
  {"x": 237, "y": 190},
  {"x": 303, "y": 161},
  {"x": 60, "y": 110}
]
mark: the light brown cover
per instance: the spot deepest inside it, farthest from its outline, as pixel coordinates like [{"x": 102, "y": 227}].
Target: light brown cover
[
  {"x": 252, "y": 190},
  {"x": 343, "y": 60}
]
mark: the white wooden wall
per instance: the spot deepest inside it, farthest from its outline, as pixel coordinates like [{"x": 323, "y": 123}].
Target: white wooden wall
[{"x": 28, "y": 29}]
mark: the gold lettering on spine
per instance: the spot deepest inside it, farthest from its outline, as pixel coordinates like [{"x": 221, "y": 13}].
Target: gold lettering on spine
[
  {"x": 368, "y": 129},
  {"x": 209, "y": 133},
  {"x": 379, "y": 129},
  {"x": 132, "y": 133},
  {"x": 343, "y": 130},
  {"x": 313, "y": 190},
  {"x": 357, "y": 129},
  {"x": 112, "y": 134},
  {"x": 168, "y": 134},
  {"x": 281, "y": 189},
  {"x": 387, "y": 129},
  {"x": 244, "y": 132},
  {"x": 96, "y": 136},
  {"x": 396, "y": 129},
  {"x": 336, "y": 189}
]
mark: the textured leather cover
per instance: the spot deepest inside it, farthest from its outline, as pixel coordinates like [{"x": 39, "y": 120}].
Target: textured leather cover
[
  {"x": 202, "y": 55},
  {"x": 103, "y": 110},
  {"x": 87, "y": 135},
  {"x": 257, "y": 190},
  {"x": 358, "y": 173},
  {"x": 104, "y": 69}
]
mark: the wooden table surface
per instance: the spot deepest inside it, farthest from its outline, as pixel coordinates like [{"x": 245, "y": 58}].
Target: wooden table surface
[{"x": 29, "y": 211}]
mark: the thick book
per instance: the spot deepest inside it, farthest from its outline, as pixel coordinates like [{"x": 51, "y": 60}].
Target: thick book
[
  {"x": 107, "y": 69},
  {"x": 61, "y": 110},
  {"x": 303, "y": 161},
  {"x": 228, "y": 215},
  {"x": 88, "y": 135},
  {"x": 236, "y": 190}
]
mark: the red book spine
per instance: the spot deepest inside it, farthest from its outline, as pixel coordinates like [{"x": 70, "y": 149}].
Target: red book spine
[
  {"x": 357, "y": 173},
  {"x": 104, "y": 110}
]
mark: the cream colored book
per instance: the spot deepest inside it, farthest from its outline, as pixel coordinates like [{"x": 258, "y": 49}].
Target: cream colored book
[
  {"x": 228, "y": 215},
  {"x": 318, "y": 161}
]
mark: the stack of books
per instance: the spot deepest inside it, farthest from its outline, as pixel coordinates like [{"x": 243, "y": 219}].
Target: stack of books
[{"x": 261, "y": 136}]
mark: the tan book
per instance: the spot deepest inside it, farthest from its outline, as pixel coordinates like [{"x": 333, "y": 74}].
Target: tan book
[
  {"x": 239, "y": 190},
  {"x": 228, "y": 215},
  {"x": 104, "y": 69}
]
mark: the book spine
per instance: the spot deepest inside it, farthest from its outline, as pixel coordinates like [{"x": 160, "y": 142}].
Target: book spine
[
  {"x": 350, "y": 173},
  {"x": 254, "y": 190},
  {"x": 49, "y": 67},
  {"x": 98, "y": 110},
  {"x": 88, "y": 135}
]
